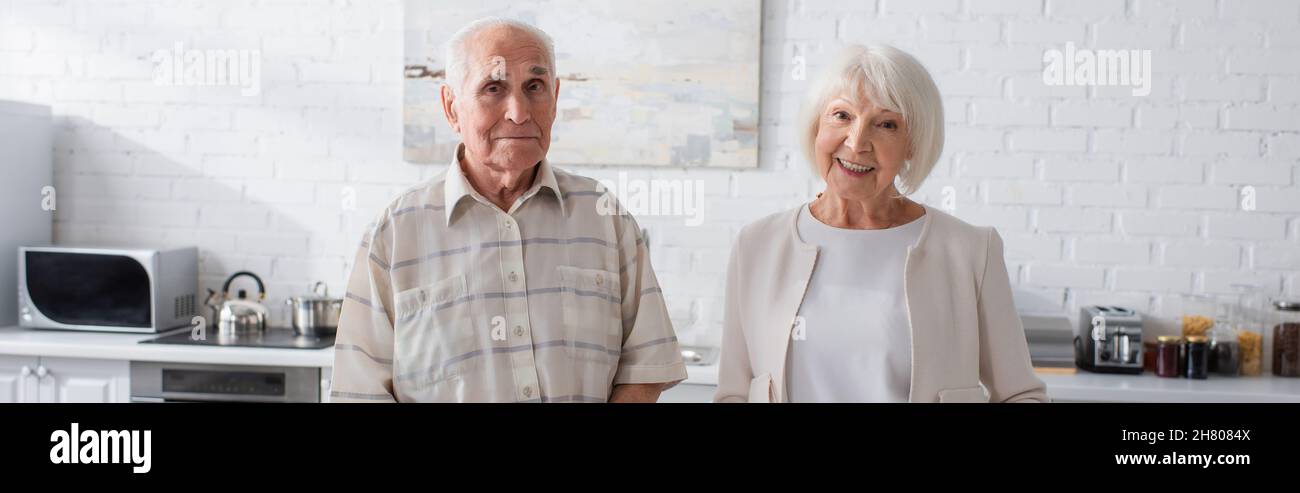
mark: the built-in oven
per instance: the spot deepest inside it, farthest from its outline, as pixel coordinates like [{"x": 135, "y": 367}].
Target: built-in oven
[{"x": 191, "y": 382}]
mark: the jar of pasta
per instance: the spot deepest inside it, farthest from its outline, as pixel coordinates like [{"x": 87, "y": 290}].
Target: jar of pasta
[
  {"x": 1249, "y": 319},
  {"x": 1198, "y": 315}
]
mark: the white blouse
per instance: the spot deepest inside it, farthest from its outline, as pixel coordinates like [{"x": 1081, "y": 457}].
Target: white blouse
[{"x": 852, "y": 338}]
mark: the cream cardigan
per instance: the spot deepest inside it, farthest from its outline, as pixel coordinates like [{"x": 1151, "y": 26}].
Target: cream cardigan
[{"x": 967, "y": 341}]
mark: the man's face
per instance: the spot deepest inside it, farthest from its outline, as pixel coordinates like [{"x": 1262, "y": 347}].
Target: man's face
[{"x": 504, "y": 109}]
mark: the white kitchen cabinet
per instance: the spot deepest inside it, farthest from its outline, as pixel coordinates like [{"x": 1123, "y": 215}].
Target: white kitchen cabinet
[
  {"x": 18, "y": 382},
  {"x": 34, "y": 379},
  {"x": 85, "y": 380}
]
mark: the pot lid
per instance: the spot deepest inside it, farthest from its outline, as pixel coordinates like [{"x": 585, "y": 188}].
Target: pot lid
[{"x": 320, "y": 292}]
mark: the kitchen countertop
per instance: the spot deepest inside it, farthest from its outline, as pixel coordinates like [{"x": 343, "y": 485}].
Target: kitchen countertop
[
  {"x": 104, "y": 345},
  {"x": 1078, "y": 386},
  {"x": 1084, "y": 386}
]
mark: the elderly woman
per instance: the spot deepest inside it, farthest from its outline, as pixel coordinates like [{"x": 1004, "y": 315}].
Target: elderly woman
[{"x": 863, "y": 295}]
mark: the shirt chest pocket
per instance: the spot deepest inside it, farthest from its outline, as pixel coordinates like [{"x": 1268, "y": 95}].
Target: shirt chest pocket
[
  {"x": 593, "y": 323},
  {"x": 434, "y": 335}
]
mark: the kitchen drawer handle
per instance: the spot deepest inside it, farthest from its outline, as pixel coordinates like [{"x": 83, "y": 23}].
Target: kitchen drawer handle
[
  {"x": 25, "y": 371},
  {"x": 41, "y": 372}
]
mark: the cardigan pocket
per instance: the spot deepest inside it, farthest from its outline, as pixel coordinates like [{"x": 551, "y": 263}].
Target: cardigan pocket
[{"x": 967, "y": 394}]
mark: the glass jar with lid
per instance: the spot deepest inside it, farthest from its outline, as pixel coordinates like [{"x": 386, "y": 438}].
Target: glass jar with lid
[
  {"x": 1225, "y": 351},
  {"x": 1248, "y": 319},
  {"x": 1168, "y": 356},
  {"x": 1198, "y": 357},
  {"x": 1286, "y": 338},
  {"x": 1198, "y": 312}
]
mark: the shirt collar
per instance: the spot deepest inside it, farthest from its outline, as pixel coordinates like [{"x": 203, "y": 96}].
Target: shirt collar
[{"x": 456, "y": 186}]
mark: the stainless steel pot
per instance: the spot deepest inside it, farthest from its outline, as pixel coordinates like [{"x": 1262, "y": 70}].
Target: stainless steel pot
[{"x": 315, "y": 316}]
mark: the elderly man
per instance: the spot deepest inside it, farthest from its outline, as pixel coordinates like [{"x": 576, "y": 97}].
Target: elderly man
[{"x": 500, "y": 280}]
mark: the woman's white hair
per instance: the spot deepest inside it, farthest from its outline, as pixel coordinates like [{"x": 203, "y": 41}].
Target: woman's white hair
[
  {"x": 893, "y": 80},
  {"x": 457, "y": 51}
]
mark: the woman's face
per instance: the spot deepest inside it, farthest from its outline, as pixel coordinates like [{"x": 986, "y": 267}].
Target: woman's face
[{"x": 860, "y": 148}]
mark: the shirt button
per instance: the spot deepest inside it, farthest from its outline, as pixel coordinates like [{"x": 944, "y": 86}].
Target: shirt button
[
  {"x": 514, "y": 277},
  {"x": 519, "y": 331},
  {"x": 528, "y": 391},
  {"x": 600, "y": 280},
  {"x": 507, "y": 224}
]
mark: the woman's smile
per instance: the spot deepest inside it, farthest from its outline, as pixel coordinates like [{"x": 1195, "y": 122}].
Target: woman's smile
[{"x": 854, "y": 169}]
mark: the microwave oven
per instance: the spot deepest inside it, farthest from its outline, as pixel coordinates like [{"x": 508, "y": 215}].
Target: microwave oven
[{"x": 107, "y": 289}]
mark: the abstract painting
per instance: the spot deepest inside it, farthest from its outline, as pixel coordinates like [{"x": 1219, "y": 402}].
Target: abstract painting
[{"x": 670, "y": 83}]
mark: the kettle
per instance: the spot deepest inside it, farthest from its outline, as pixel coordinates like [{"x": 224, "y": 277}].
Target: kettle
[{"x": 242, "y": 316}]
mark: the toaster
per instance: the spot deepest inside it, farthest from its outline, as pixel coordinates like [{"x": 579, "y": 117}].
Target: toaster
[{"x": 1108, "y": 340}]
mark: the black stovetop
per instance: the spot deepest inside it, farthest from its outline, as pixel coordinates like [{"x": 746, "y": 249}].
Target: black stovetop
[{"x": 275, "y": 337}]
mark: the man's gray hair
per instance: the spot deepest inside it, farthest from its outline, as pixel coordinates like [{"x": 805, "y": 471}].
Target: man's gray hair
[{"x": 457, "y": 53}]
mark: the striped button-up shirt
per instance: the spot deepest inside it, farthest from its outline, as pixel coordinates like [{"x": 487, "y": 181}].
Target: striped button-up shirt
[{"x": 452, "y": 299}]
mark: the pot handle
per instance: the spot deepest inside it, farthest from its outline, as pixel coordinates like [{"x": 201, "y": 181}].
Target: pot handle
[
  {"x": 320, "y": 289},
  {"x": 261, "y": 288}
]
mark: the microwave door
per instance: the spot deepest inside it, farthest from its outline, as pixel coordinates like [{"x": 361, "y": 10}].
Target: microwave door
[{"x": 89, "y": 290}]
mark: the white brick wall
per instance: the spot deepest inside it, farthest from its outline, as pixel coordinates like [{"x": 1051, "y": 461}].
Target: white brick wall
[{"x": 1100, "y": 196}]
